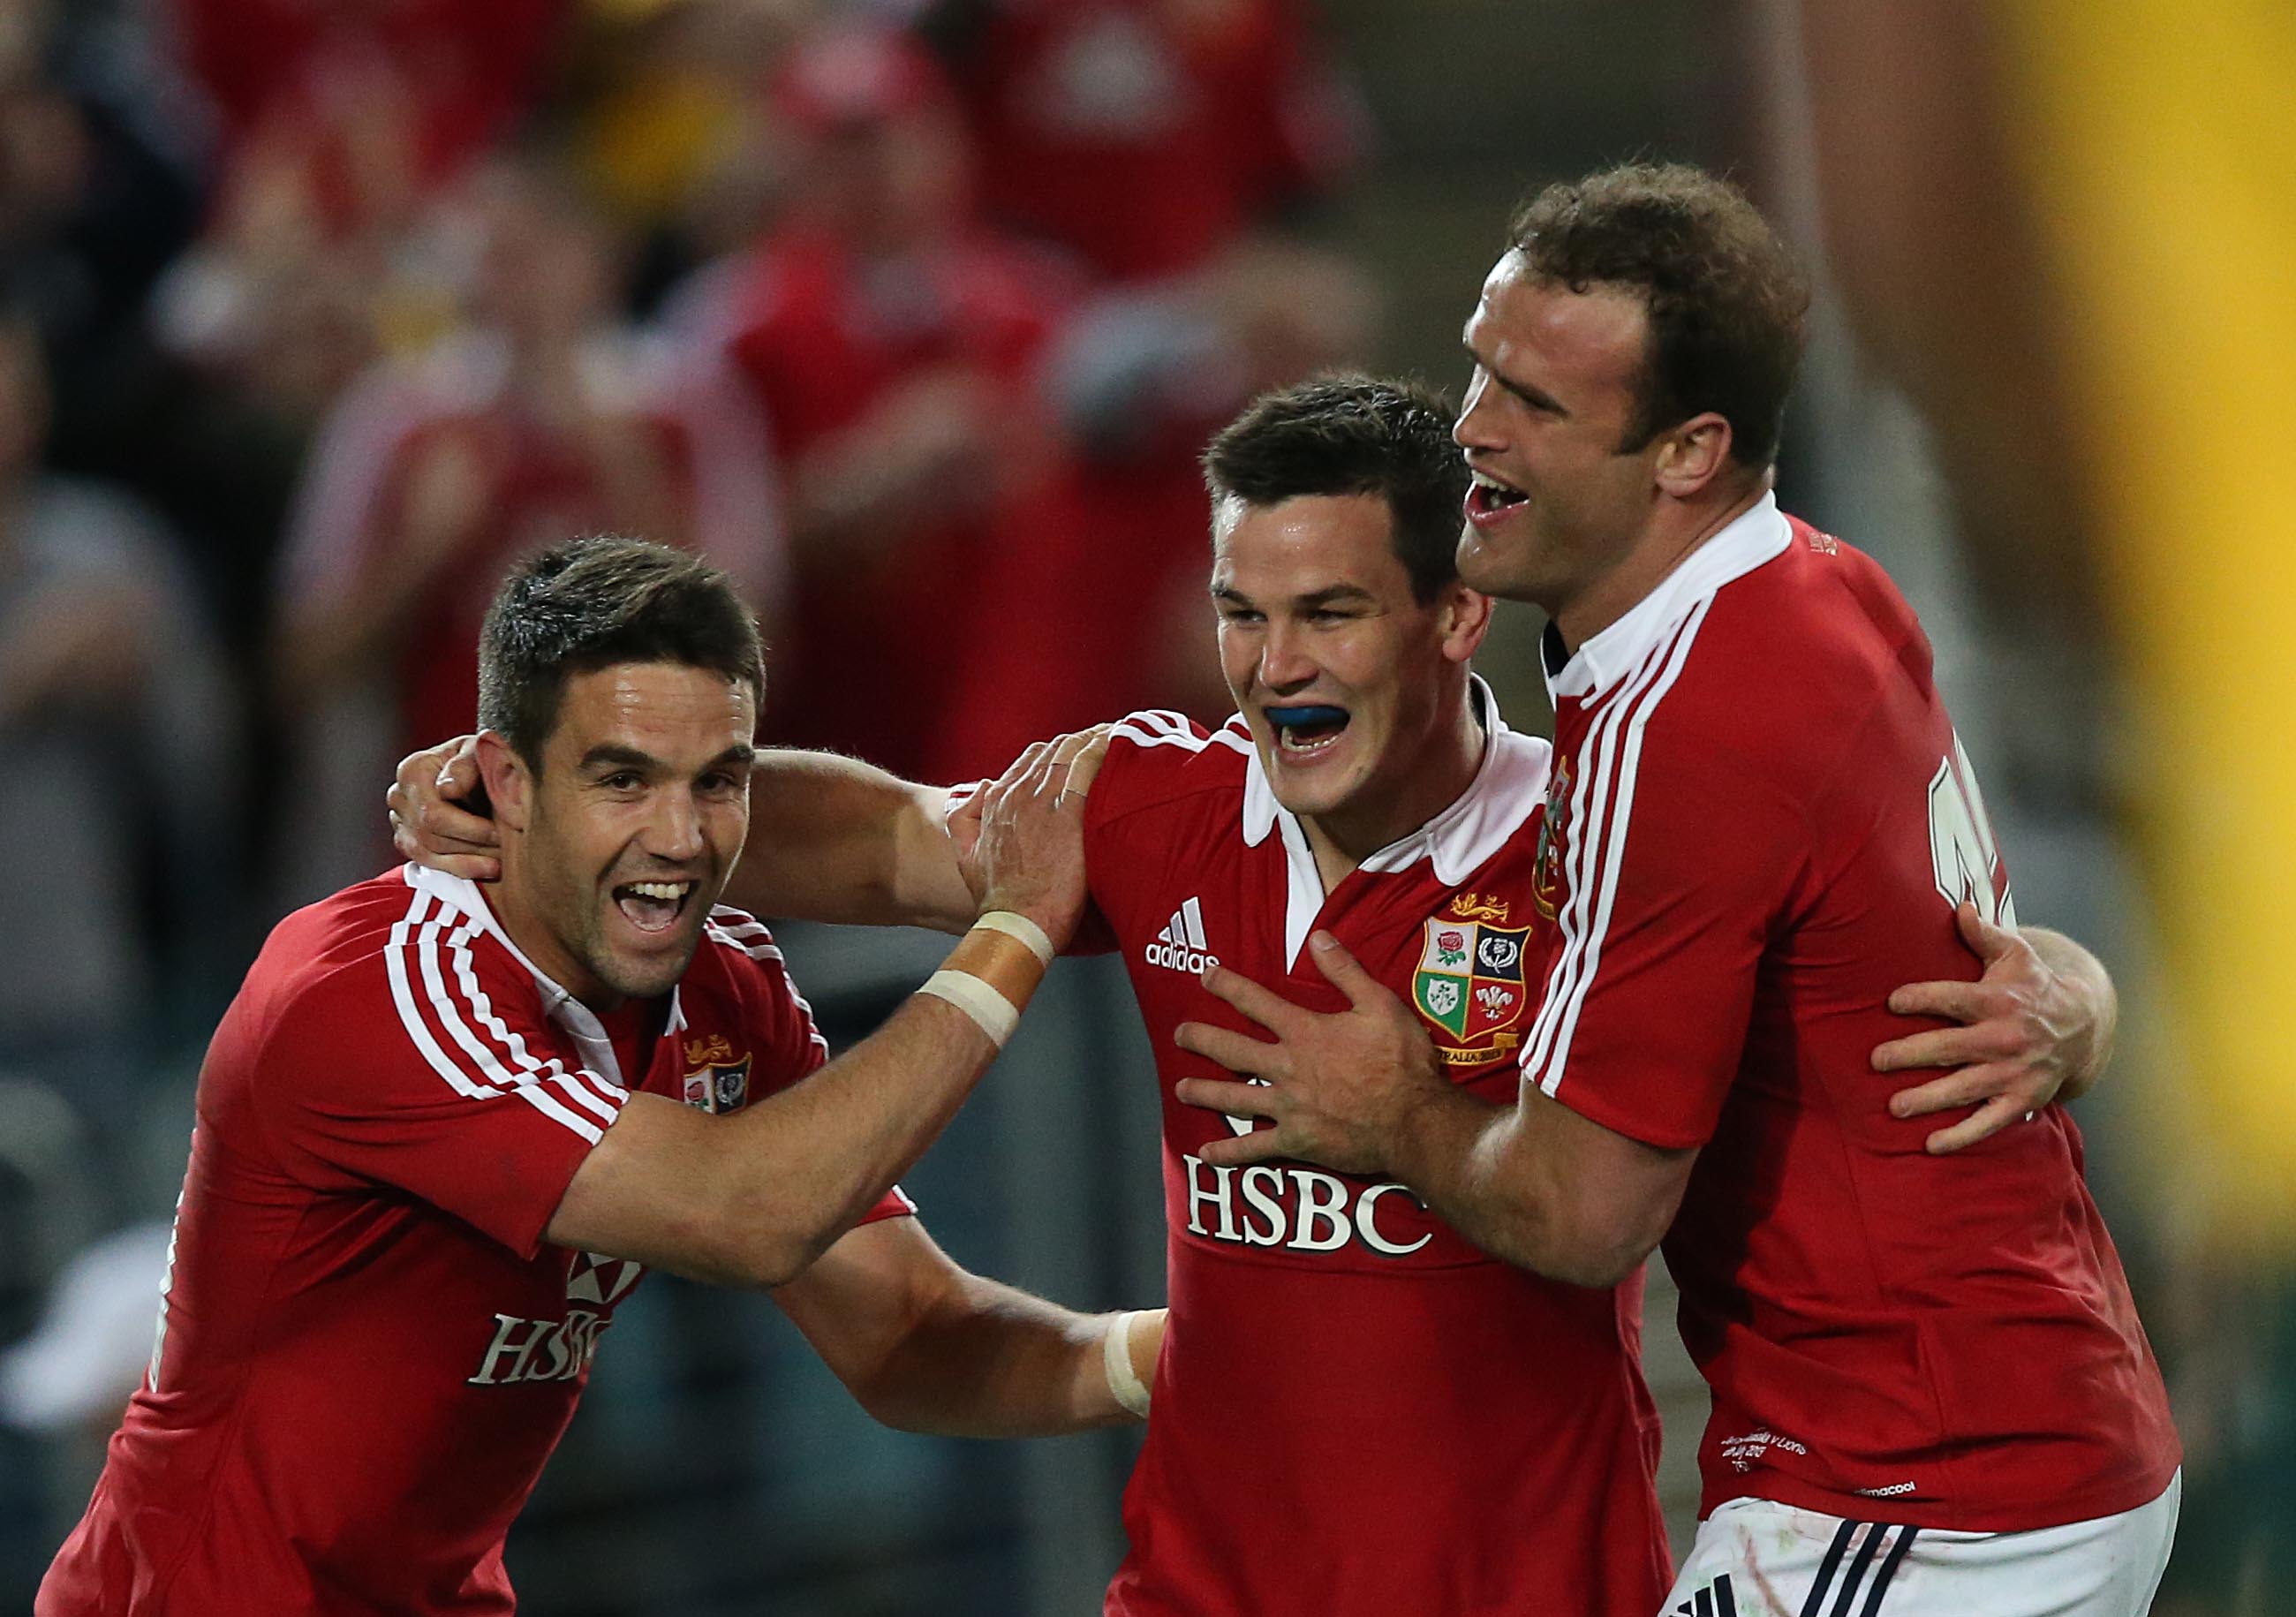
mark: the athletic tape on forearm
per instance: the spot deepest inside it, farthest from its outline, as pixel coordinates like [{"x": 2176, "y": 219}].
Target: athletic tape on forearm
[
  {"x": 1115, "y": 1359},
  {"x": 991, "y": 1010},
  {"x": 1013, "y": 925}
]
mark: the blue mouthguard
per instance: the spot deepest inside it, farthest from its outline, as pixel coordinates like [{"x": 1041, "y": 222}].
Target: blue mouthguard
[{"x": 1286, "y": 718}]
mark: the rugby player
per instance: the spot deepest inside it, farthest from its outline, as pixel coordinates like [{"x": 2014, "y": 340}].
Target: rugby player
[
  {"x": 442, "y": 1132},
  {"x": 1931, "y": 1393},
  {"x": 1358, "y": 1412}
]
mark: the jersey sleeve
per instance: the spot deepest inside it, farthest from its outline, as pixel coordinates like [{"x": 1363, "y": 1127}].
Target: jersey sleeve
[
  {"x": 1678, "y": 856},
  {"x": 787, "y": 1045},
  {"x": 426, "y": 1072}
]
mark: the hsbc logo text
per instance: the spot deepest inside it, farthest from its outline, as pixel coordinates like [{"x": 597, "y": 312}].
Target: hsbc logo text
[
  {"x": 540, "y": 1350},
  {"x": 1180, "y": 946},
  {"x": 1300, "y": 1208}
]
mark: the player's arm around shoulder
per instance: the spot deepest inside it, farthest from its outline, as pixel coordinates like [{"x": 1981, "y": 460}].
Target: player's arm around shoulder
[
  {"x": 754, "y": 1198},
  {"x": 926, "y": 1346}
]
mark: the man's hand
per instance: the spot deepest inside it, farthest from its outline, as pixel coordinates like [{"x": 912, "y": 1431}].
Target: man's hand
[
  {"x": 1338, "y": 1087},
  {"x": 2030, "y": 1032},
  {"x": 1028, "y": 855},
  {"x": 962, "y": 820},
  {"x": 430, "y": 823}
]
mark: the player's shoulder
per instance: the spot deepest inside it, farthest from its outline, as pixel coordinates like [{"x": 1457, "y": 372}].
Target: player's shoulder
[
  {"x": 1155, "y": 756},
  {"x": 737, "y": 947},
  {"x": 403, "y": 959}
]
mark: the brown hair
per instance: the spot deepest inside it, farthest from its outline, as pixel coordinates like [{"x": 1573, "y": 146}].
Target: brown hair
[
  {"x": 587, "y": 604},
  {"x": 1724, "y": 298},
  {"x": 1350, "y": 434}
]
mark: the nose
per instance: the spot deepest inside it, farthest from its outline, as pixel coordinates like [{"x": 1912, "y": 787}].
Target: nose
[
  {"x": 673, "y": 834},
  {"x": 1285, "y": 663},
  {"x": 1476, "y": 429}
]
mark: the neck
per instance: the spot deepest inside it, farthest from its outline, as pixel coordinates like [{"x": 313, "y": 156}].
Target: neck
[
  {"x": 1345, "y": 838},
  {"x": 522, "y": 922},
  {"x": 1670, "y": 540}
]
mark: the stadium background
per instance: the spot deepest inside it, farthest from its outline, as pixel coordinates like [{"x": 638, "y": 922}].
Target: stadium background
[{"x": 261, "y": 449}]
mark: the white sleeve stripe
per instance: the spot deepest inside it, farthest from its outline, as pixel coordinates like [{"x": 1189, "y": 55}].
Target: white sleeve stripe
[
  {"x": 1588, "y": 802},
  {"x": 526, "y": 1084},
  {"x": 403, "y": 937},
  {"x": 554, "y": 1070},
  {"x": 1151, "y": 738},
  {"x": 1607, "y": 846},
  {"x": 767, "y": 952}
]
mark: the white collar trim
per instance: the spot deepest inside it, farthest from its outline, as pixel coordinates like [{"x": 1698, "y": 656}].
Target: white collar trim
[
  {"x": 462, "y": 895},
  {"x": 1509, "y": 785},
  {"x": 1755, "y": 536}
]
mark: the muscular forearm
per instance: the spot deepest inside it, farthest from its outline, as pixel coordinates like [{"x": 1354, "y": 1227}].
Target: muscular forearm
[
  {"x": 800, "y": 1168},
  {"x": 833, "y": 839},
  {"x": 991, "y": 1361},
  {"x": 2086, "y": 1061}
]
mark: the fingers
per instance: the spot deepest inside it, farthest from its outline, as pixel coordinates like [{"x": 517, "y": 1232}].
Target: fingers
[
  {"x": 1968, "y": 1002},
  {"x": 1260, "y": 1145},
  {"x": 1988, "y": 942},
  {"x": 1224, "y": 1095},
  {"x": 1966, "y": 1087},
  {"x": 1083, "y": 763},
  {"x": 1269, "y": 1010},
  {"x": 1948, "y": 1047},
  {"x": 2003, "y": 1111},
  {"x": 1233, "y": 1050},
  {"x": 1344, "y": 973}
]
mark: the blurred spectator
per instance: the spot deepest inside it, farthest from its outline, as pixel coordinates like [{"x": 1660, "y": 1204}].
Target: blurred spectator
[
  {"x": 1119, "y": 617},
  {"x": 539, "y": 416},
  {"x": 389, "y": 97},
  {"x": 1203, "y": 116},
  {"x": 116, "y": 716},
  {"x": 891, "y": 339},
  {"x": 95, "y": 197}
]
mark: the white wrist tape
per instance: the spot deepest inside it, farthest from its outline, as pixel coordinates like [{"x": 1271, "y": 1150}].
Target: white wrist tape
[
  {"x": 1013, "y": 925},
  {"x": 1115, "y": 1359},
  {"x": 991, "y": 1010}
]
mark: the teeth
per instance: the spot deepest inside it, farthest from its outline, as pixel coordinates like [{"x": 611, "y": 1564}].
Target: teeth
[
  {"x": 1505, "y": 491},
  {"x": 659, "y": 890}
]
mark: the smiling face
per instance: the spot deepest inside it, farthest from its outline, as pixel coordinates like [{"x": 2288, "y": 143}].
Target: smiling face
[
  {"x": 1354, "y": 691},
  {"x": 1557, "y": 503},
  {"x": 617, "y": 845}
]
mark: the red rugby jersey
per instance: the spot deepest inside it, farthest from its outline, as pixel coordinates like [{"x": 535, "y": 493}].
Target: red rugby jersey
[
  {"x": 1758, "y": 824},
  {"x": 366, "y": 1348},
  {"x": 1357, "y": 1413}
]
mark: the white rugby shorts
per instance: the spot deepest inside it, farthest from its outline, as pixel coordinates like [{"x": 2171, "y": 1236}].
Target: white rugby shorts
[{"x": 1755, "y": 1558}]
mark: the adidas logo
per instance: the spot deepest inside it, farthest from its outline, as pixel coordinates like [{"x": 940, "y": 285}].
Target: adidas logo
[
  {"x": 1717, "y": 1600},
  {"x": 1180, "y": 946}
]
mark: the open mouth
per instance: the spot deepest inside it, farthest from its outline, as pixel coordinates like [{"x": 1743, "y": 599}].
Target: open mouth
[
  {"x": 1303, "y": 731},
  {"x": 1489, "y": 498},
  {"x": 654, "y": 906}
]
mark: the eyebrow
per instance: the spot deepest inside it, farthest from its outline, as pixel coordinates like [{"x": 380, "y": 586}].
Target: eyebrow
[
  {"x": 1535, "y": 398},
  {"x": 1330, "y": 595},
  {"x": 613, "y": 755}
]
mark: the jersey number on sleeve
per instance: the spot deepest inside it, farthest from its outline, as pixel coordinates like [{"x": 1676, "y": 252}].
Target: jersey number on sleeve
[{"x": 1962, "y": 849}]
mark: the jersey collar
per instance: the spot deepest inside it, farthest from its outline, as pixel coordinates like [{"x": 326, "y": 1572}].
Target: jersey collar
[
  {"x": 1508, "y": 787},
  {"x": 467, "y": 899},
  {"x": 1755, "y": 536}
]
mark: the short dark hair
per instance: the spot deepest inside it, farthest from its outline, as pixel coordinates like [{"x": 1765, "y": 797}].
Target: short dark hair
[
  {"x": 1724, "y": 296},
  {"x": 1354, "y": 434},
  {"x": 583, "y": 604}
]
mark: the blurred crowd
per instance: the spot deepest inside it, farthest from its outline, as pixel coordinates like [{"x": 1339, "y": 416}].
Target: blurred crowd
[{"x": 315, "y": 313}]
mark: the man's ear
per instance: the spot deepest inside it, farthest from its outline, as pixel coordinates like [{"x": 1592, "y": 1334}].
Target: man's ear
[
  {"x": 509, "y": 783},
  {"x": 1466, "y": 620},
  {"x": 1693, "y": 455}
]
